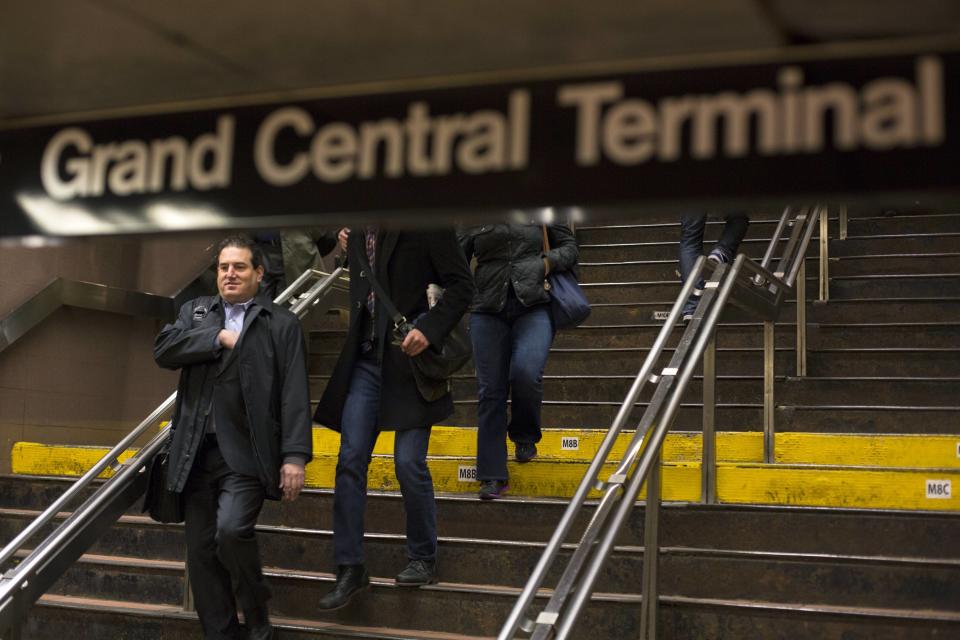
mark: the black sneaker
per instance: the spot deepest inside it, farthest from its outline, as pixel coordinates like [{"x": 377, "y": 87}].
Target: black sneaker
[
  {"x": 526, "y": 451},
  {"x": 493, "y": 489},
  {"x": 418, "y": 573}
]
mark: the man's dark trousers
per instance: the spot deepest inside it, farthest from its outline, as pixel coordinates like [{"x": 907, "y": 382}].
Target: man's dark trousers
[
  {"x": 221, "y": 508},
  {"x": 361, "y": 427}
]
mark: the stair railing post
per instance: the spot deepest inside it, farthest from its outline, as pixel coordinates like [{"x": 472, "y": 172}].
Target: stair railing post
[
  {"x": 842, "y": 235},
  {"x": 708, "y": 464},
  {"x": 651, "y": 553},
  {"x": 801, "y": 289},
  {"x": 824, "y": 255},
  {"x": 769, "y": 427}
]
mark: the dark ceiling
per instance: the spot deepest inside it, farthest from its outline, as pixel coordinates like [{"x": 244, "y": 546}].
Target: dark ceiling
[{"x": 70, "y": 56}]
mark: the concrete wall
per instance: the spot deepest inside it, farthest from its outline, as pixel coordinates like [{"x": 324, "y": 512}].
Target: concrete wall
[{"x": 86, "y": 376}]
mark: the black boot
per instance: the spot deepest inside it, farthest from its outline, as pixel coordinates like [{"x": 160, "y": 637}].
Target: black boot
[
  {"x": 258, "y": 625},
  {"x": 351, "y": 579}
]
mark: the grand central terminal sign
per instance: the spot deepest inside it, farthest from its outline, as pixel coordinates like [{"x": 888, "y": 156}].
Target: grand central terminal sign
[{"x": 862, "y": 125}]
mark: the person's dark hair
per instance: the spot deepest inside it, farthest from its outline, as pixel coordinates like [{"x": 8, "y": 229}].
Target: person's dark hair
[{"x": 242, "y": 242}]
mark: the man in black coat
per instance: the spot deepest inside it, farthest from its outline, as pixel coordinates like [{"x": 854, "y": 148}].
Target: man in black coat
[
  {"x": 242, "y": 433},
  {"x": 373, "y": 388}
]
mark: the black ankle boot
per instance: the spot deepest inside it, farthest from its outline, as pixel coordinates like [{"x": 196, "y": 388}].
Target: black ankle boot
[
  {"x": 258, "y": 624},
  {"x": 351, "y": 579}
]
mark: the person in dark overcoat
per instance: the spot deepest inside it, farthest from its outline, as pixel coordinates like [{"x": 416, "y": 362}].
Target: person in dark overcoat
[
  {"x": 241, "y": 433},
  {"x": 373, "y": 389}
]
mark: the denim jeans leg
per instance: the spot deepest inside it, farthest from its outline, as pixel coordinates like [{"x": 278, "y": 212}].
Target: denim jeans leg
[
  {"x": 490, "y": 334},
  {"x": 531, "y": 338},
  {"x": 358, "y": 435},
  {"x": 691, "y": 248},
  {"x": 734, "y": 230},
  {"x": 416, "y": 486}
]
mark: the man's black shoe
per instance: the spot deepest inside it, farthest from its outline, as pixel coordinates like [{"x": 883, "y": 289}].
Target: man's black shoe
[
  {"x": 526, "y": 451},
  {"x": 263, "y": 632},
  {"x": 351, "y": 579},
  {"x": 258, "y": 624},
  {"x": 418, "y": 573}
]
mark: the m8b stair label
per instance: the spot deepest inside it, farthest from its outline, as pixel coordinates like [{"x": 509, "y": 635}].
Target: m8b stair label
[{"x": 466, "y": 473}]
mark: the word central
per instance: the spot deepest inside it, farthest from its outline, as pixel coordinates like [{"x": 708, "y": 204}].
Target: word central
[{"x": 421, "y": 145}]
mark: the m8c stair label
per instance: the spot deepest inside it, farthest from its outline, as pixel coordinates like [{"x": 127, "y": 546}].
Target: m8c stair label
[{"x": 938, "y": 489}]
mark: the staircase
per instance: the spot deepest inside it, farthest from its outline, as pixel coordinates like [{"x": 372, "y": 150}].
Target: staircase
[{"x": 840, "y": 538}]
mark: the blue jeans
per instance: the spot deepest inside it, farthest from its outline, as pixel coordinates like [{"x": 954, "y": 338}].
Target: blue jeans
[
  {"x": 361, "y": 426},
  {"x": 691, "y": 243},
  {"x": 510, "y": 350}
]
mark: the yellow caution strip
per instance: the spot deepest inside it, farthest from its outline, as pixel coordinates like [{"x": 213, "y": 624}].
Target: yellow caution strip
[
  {"x": 811, "y": 486},
  {"x": 737, "y": 483},
  {"x": 565, "y": 444},
  {"x": 918, "y": 451},
  {"x": 540, "y": 478},
  {"x": 31, "y": 458},
  {"x": 858, "y": 450},
  {"x": 776, "y": 484}
]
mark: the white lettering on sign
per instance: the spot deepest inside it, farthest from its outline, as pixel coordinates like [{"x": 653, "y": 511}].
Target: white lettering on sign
[
  {"x": 886, "y": 113},
  {"x": 74, "y": 166},
  {"x": 938, "y": 489},
  {"x": 466, "y": 474},
  {"x": 480, "y": 142},
  {"x": 958, "y": 449},
  {"x": 570, "y": 443}
]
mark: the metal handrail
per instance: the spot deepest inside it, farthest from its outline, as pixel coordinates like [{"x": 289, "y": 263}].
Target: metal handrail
[
  {"x": 643, "y": 452},
  {"x": 111, "y": 459},
  {"x": 21, "y": 580},
  {"x": 61, "y": 292},
  {"x": 516, "y": 618}
]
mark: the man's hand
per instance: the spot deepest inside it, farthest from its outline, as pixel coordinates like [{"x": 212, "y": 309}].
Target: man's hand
[
  {"x": 342, "y": 236},
  {"x": 414, "y": 343},
  {"x": 228, "y": 338},
  {"x": 291, "y": 480}
]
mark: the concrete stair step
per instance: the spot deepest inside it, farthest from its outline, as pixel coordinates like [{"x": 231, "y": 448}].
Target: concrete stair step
[
  {"x": 472, "y": 608},
  {"x": 903, "y": 224},
  {"x": 919, "y": 243},
  {"x": 746, "y": 416},
  {"x": 732, "y": 574},
  {"x": 630, "y": 268},
  {"x": 919, "y": 285},
  {"x": 761, "y": 226},
  {"x": 892, "y": 264},
  {"x": 680, "y": 619},
  {"x": 56, "y": 617},
  {"x": 666, "y": 250},
  {"x": 889, "y": 310},
  {"x": 861, "y": 580},
  {"x": 739, "y": 335},
  {"x": 791, "y": 529},
  {"x": 807, "y": 392}
]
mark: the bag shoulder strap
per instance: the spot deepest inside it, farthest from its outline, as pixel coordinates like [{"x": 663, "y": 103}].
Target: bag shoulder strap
[
  {"x": 546, "y": 240},
  {"x": 397, "y": 317}
]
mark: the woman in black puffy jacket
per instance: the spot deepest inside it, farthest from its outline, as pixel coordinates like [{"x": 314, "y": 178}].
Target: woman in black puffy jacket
[{"x": 511, "y": 330}]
